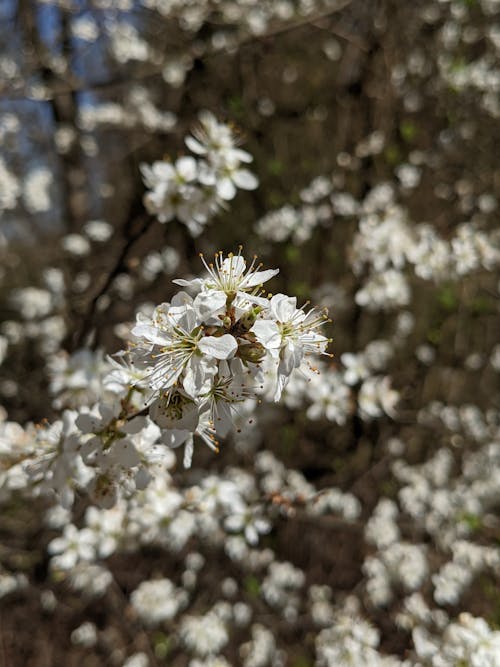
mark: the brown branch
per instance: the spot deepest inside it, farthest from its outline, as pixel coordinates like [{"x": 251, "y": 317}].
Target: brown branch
[{"x": 118, "y": 267}]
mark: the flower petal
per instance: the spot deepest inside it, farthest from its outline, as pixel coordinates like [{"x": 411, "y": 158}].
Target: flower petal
[
  {"x": 223, "y": 347},
  {"x": 244, "y": 179},
  {"x": 267, "y": 333}
]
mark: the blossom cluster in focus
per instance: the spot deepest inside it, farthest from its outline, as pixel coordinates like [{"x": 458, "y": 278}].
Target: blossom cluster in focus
[{"x": 201, "y": 355}]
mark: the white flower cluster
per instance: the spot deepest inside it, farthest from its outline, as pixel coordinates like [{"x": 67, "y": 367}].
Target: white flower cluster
[
  {"x": 77, "y": 379},
  {"x": 261, "y": 650},
  {"x": 350, "y": 640},
  {"x": 198, "y": 358},
  {"x": 470, "y": 641},
  {"x": 299, "y": 223},
  {"x": 206, "y": 635},
  {"x": 448, "y": 505},
  {"x": 230, "y": 511},
  {"x": 401, "y": 564},
  {"x": 193, "y": 189},
  {"x": 448, "y": 510},
  {"x": 191, "y": 365},
  {"x": 282, "y": 587},
  {"x": 244, "y": 562},
  {"x": 171, "y": 517},
  {"x": 386, "y": 243},
  {"x": 137, "y": 110},
  {"x": 330, "y": 392},
  {"x": 158, "y": 600}
]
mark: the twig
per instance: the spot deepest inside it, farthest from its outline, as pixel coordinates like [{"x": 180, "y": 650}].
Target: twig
[
  {"x": 336, "y": 30},
  {"x": 117, "y": 268}
]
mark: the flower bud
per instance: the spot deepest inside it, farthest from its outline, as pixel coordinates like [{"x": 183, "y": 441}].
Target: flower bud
[
  {"x": 251, "y": 352},
  {"x": 248, "y": 319}
]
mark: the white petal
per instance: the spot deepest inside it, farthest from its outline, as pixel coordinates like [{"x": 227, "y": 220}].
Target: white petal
[
  {"x": 88, "y": 423},
  {"x": 195, "y": 227},
  {"x": 245, "y": 180},
  {"x": 206, "y": 174},
  {"x": 280, "y": 385},
  {"x": 283, "y": 307},
  {"x": 243, "y": 156},
  {"x": 142, "y": 479},
  {"x": 150, "y": 333},
  {"x": 174, "y": 438},
  {"x": 188, "y": 320},
  {"x": 67, "y": 497},
  {"x": 107, "y": 546},
  {"x": 198, "y": 376},
  {"x": 134, "y": 425},
  {"x": 208, "y": 119},
  {"x": 263, "y": 526},
  {"x": 223, "y": 347},
  {"x": 125, "y": 453},
  {"x": 194, "y": 283},
  {"x": 259, "y": 277},
  {"x": 348, "y": 359},
  {"x": 226, "y": 189},
  {"x": 290, "y": 358},
  {"x": 267, "y": 333},
  {"x": 180, "y": 300},
  {"x": 164, "y": 418},
  {"x": 188, "y": 453},
  {"x": 244, "y": 300},
  {"x": 234, "y": 523},
  {"x": 162, "y": 171},
  {"x": 186, "y": 168},
  {"x": 234, "y": 265},
  {"x": 57, "y": 545},
  {"x": 195, "y": 146},
  {"x": 223, "y": 419},
  {"x": 296, "y": 353},
  {"x": 209, "y": 304},
  {"x": 65, "y": 561},
  {"x": 251, "y": 535}
]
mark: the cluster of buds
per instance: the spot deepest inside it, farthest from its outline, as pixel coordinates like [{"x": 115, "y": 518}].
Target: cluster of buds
[{"x": 209, "y": 350}]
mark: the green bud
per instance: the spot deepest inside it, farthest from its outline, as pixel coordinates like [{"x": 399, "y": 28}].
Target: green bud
[
  {"x": 248, "y": 319},
  {"x": 251, "y": 352}
]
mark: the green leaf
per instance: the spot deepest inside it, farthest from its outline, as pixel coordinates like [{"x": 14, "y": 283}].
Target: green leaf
[
  {"x": 408, "y": 131},
  {"x": 301, "y": 661},
  {"x": 292, "y": 253},
  {"x": 472, "y": 520},
  {"x": 252, "y": 585},
  {"x": 448, "y": 298},
  {"x": 300, "y": 289},
  {"x": 434, "y": 336},
  {"x": 162, "y": 645},
  {"x": 392, "y": 155},
  {"x": 275, "y": 167},
  {"x": 236, "y": 105}
]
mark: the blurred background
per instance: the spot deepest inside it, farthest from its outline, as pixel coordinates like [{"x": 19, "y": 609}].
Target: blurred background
[{"x": 353, "y": 111}]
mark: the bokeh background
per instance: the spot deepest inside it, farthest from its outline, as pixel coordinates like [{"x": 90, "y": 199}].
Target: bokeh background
[{"x": 341, "y": 104}]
